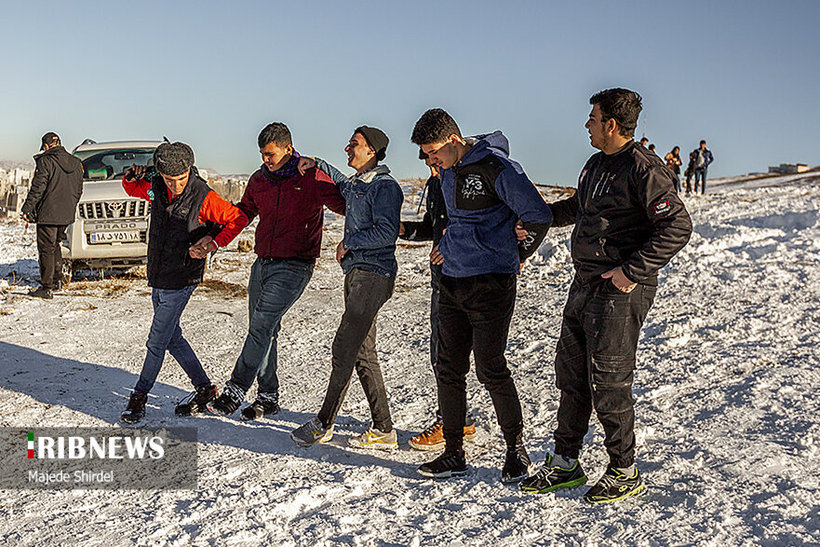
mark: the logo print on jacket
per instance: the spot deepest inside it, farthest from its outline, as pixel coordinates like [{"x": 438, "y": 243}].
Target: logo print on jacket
[
  {"x": 473, "y": 187},
  {"x": 662, "y": 209}
]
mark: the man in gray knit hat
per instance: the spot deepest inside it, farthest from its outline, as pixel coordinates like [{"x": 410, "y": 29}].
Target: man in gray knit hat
[{"x": 186, "y": 216}]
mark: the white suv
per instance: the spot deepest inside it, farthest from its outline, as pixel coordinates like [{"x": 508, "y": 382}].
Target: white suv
[{"x": 110, "y": 228}]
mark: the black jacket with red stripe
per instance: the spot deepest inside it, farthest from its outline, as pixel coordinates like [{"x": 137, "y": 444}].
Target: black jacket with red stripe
[{"x": 626, "y": 213}]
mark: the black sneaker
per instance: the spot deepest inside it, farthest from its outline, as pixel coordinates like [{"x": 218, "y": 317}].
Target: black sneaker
[
  {"x": 259, "y": 409},
  {"x": 551, "y": 477},
  {"x": 614, "y": 486},
  {"x": 517, "y": 464},
  {"x": 226, "y": 404},
  {"x": 135, "y": 411},
  {"x": 196, "y": 402},
  {"x": 42, "y": 292},
  {"x": 449, "y": 464}
]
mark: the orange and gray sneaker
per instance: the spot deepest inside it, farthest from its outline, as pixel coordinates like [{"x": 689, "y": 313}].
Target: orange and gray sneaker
[{"x": 432, "y": 438}]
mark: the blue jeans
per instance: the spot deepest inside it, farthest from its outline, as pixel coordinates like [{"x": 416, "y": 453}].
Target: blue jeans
[
  {"x": 700, "y": 174},
  {"x": 166, "y": 335},
  {"x": 274, "y": 286}
]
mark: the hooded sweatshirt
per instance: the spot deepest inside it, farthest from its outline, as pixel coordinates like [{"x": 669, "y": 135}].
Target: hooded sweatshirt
[
  {"x": 485, "y": 194},
  {"x": 55, "y": 188}
]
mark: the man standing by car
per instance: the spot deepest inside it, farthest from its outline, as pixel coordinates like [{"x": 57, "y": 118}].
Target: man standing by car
[
  {"x": 188, "y": 220},
  {"x": 485, "y": 193},
  {"x": 52, "y": 201},
  {"x": 629, "y": 222},
  {"x": 290, "y": 206}
]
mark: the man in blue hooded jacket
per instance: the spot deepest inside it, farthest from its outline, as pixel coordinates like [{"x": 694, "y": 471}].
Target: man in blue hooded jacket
[{"x": 485, "y": 192}]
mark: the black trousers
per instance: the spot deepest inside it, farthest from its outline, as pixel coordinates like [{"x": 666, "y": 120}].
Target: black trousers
[
  {"x": 595, "y": 365},
  {"x": 355, "y": 347},
  {"x": 49, "y": 253},
  {"x": 475, "y": 313}
]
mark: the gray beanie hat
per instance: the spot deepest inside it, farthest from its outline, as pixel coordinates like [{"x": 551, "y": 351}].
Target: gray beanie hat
[
  {"x": 376, "y": 138},
  {"x": 173, "y": 159}
]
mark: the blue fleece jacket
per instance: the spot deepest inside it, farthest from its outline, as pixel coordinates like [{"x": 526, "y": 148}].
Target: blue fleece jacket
[
  {"x": 372, "y": 214},
  {"x": 485, "y": 193}
]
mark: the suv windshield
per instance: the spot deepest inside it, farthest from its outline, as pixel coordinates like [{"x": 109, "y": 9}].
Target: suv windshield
[{"x": 112, "y": 164}]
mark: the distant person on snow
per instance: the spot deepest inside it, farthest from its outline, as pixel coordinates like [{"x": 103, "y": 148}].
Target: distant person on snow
[
  {"x": 485, "y": 193},
  {"x": 652, "y": 148},
  {"x": 188, "y": 220},
  {"x": 629, "y": 222},
  {"x": 367, "y": 254},
  {"x": 290, "y": 206},
  {"x": 51, "y": 202},
  {"x": 703, "y": 157},
  {"x": 690, "y": 170},
  {"x": 673, "y": 162}
]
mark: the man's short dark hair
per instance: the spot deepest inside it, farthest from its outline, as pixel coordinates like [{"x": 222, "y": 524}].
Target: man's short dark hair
[
  {"x": 702, "y": 142},
  {"x": 276, "y": 133},
  {"x": 621, "y": 105},
  {"x": 435, "y": 125}
]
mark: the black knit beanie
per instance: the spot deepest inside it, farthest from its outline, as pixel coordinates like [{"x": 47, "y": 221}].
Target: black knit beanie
[
  {"x": 376, "y": 139},
  {"x": 173, "y": 159}
]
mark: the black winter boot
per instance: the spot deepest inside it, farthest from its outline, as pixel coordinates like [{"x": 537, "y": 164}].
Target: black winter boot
[
  {"x": 135, "y": 411},
  {"x": 517, "y": 463},
  {"x": 196, "y": 402},
  {"x": 261, "y": 407},
  {"x": 449, "y": 464}
]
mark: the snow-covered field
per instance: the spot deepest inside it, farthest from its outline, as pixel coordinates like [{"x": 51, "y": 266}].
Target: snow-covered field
[{"x": 727, "y": 401}]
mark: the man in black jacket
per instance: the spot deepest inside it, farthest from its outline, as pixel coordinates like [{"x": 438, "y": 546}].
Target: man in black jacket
[
  {"x": 52, "y": 200},
  {"x": 629, "y": 222}
]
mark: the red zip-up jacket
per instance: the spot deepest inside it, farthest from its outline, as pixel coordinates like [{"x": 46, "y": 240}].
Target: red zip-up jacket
[{"x": 290, "y": 212}]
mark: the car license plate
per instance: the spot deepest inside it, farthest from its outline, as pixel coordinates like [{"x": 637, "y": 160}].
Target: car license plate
[{"x": 113, "y": 237}]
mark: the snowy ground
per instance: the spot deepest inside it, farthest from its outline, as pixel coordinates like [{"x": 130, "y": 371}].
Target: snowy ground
[{"x": 726, "y": 391}]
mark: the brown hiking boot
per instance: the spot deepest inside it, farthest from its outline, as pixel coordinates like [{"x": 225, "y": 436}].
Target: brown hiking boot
[{"x": 432, "y": 438}]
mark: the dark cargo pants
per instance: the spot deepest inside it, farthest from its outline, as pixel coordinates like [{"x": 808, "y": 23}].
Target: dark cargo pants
[
  {"x": 355, "y": 347},
  {"x": 50, "y": 254},
  {"x": 595, "y": 364}
]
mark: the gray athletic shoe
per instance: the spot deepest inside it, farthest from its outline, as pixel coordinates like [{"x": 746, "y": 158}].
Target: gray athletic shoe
[{"x": 311, "y": 433}]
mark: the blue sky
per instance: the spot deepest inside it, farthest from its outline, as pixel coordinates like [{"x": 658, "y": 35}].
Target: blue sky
[{"x": 741, "y": 74}]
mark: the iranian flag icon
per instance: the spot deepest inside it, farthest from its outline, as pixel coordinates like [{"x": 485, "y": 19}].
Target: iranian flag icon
[{"x": 31, "y": 446}]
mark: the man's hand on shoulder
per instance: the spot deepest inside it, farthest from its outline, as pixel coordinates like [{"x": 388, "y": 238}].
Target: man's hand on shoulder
[{"x": 304, "y": 164}]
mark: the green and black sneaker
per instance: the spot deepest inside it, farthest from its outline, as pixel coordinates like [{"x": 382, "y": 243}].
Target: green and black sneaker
[
  {"x": 551, "y": 477},
  {"x": 615, "y": 486}
]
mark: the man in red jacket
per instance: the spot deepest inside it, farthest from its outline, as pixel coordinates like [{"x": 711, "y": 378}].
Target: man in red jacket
[
  {"x": 188, "y": 220},
  {"x": 288, "y": 241}
]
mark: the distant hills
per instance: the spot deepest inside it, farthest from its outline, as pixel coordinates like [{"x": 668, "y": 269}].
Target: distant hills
[{"x": 14, "y": 164}]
